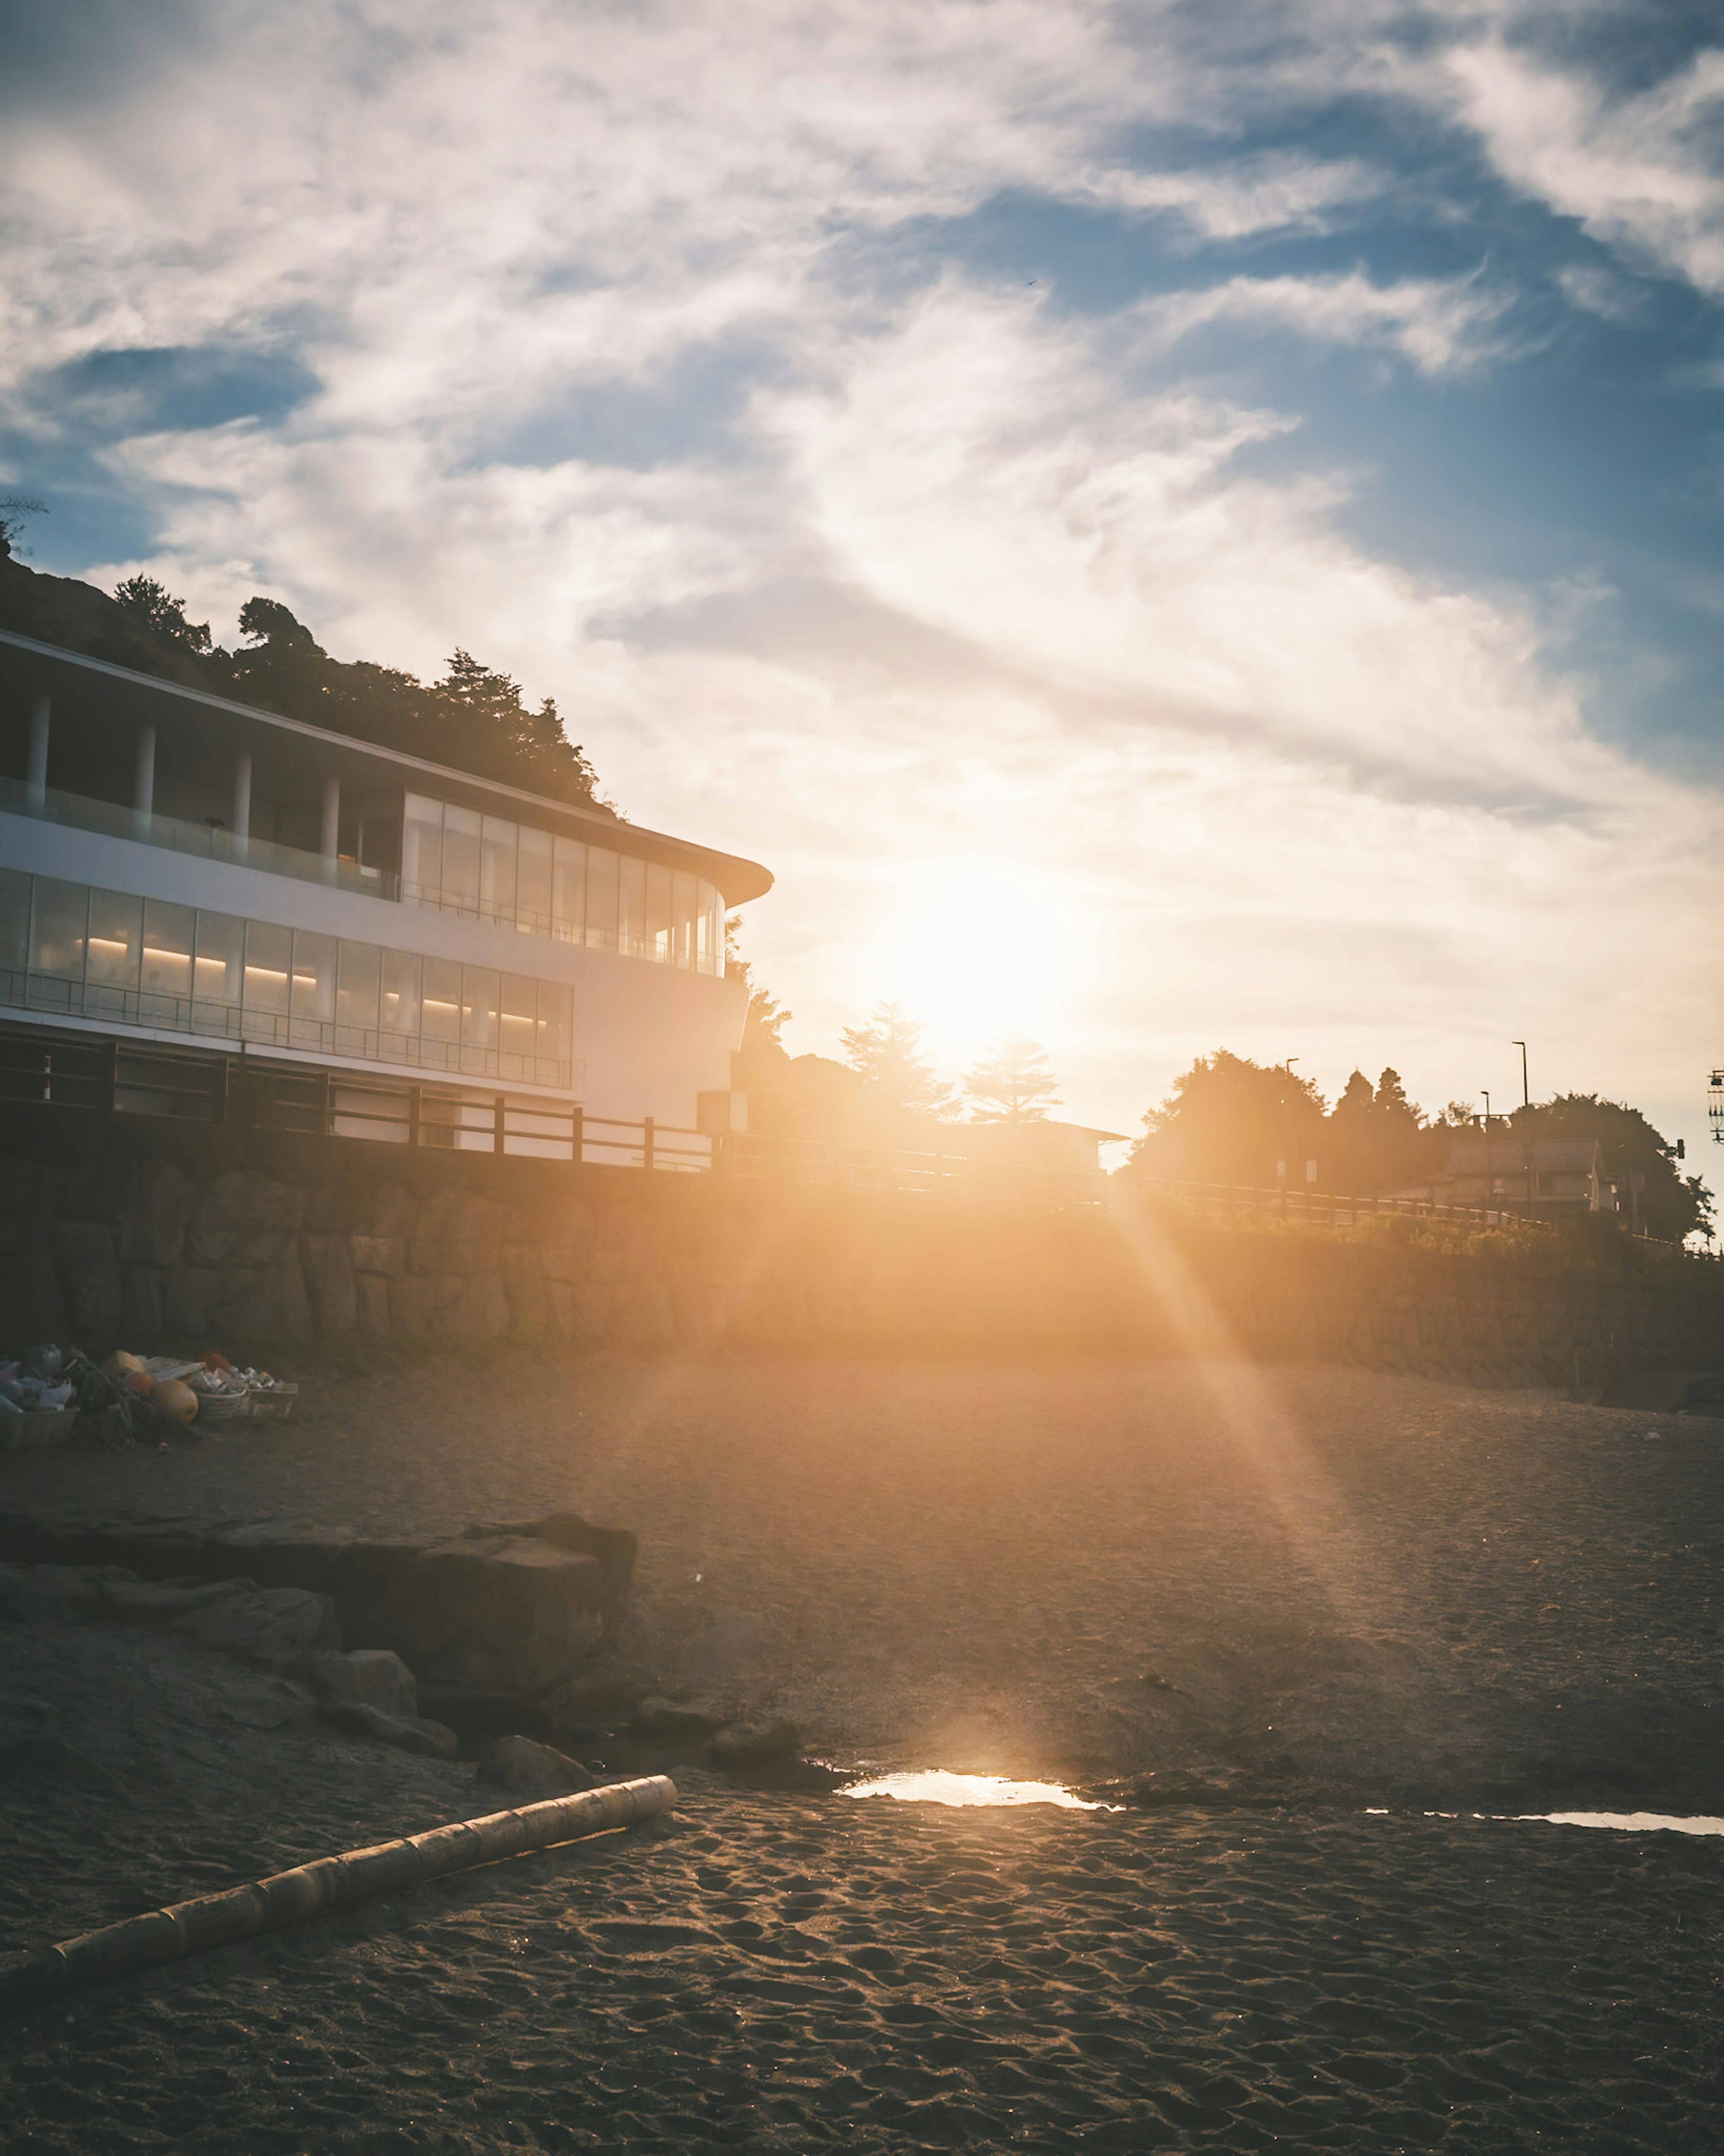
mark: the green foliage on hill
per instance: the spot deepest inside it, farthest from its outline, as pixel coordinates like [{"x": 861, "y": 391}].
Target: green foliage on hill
[{"x": 473, "y": 720}]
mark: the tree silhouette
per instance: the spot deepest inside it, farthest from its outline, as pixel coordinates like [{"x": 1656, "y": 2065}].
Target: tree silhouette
[
  {"x": 1229, "y": 1120},
  {"x": 1013, "y": 1085},
  {"x": 886, "y": 1055},
  {"x": 152, "y": 609}
]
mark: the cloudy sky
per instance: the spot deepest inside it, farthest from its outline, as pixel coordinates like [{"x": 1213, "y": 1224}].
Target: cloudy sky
[{"x": 1164, "y": 525}]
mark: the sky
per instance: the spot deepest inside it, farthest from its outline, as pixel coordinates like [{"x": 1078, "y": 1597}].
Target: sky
[{"x": 1164, "y": 525}]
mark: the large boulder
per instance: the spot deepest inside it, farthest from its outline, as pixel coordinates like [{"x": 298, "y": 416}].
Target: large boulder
[
  {"x": 429, "y": 1740},
  {"x": 530, "y": 1769},
  {"x": 492, "y": 1614},
  {"x": 272, "y": 1626},
  {"x": 370, "y": 1676}
]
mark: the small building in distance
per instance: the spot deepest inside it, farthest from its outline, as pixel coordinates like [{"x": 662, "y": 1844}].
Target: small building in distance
[
  {"x": 1543, "y": 1179},
  {"x": 1072, "y": 1148}
]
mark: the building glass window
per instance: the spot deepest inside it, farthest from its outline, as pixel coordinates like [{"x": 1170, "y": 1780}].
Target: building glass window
[
  {"x": 422, "y": 848},
  {"x": 61, "y": 916},
  {"x": 400, "y": 998},
  {"x": 14, "y": 920},
  {"x": 568, "y": 891},
  {"x": 518, "y": 1016},
  {"x": 499, "y": 852},
  {"x": 601, "y": 898},
  {"x": 442, "y": 1020},
  {"x": 219, "y": 967},
  {"x": 479, "y": 1008},
  {"x": 556, "y": 1029},
  {"x": 115, "y": 940},
  {"x": 268, "y": 955},
  {"x": 660, "y": 884},
  {"x": 631, "y": 907},
  {"x": 357, "y": 991},
  {"x": 685, "y": 898},
  {"x": 461, "y": 849},
  {"x": 314, "y": 977},
  {"x": 169, "y": 932},
  {"x": 534, "y": 879}
]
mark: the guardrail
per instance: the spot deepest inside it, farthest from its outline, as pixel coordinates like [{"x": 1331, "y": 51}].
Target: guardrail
[
  {"x": 1228, "y": 1201},
  {"x": 822, "y": 1163}
]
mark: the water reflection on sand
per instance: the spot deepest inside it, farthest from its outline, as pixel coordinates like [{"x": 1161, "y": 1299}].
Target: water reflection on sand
[{"x": 933, "y": 1786}]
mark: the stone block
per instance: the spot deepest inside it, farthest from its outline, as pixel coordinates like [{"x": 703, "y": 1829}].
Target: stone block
[
  {"x": 329, "y": 1282},
  {"x": 157, "y": 1215},
  {"x": 140, "y": 1303},
  {"x": 89, "y": 1277},
  {"x": 374, "y": 1677},
  {"x": 592, "y": 1301},
  {"x": 559, "y": 1310},
  {"x": 525, "y": 1289},
  {"x": 415, "y": 1302},
  {"x": 384, "y": 1210},
  {"x": 378, "y": 1254},
  {"x": 273, "y": 1626},
  {"x": 190, "y": 1295},
  {"x": 530, "y": 1769},
  {"x": 370, "y": 1298},
  {"x": 429, "y": 1740},
  {"x": 496, "y": 1614},
  {"x": 478, "y": 1308},
  {"x": 266, "y": 1302}
]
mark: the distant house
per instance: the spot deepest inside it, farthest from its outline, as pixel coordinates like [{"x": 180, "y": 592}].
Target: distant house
[
  {"x": 1545, "y": 1178},
  {"x": 1073, "y": 1147}
]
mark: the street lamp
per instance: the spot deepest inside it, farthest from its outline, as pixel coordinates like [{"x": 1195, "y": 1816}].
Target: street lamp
[
  {"x": 1489, "y": 1180},
  {"x": 1526, "y": 1094},
  {"x": 1525, "y": 1141}
]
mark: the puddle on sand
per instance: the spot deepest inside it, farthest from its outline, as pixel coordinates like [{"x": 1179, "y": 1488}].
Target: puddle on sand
[
  {"x": 1630, "y": 1822},
  {"x": 933, "y": 1786}
]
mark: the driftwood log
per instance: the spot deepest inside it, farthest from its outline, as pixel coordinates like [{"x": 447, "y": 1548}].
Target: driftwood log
[{"x": 328, "y": 1883}]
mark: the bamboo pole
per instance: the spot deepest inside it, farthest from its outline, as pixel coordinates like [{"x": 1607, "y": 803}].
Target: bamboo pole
[{"x": 328, "y": 1883}]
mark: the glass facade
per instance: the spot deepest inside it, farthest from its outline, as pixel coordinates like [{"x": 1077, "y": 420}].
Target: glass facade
[
  {"x": 488, "y": 868},
  {"x": 98, "y": 954}
]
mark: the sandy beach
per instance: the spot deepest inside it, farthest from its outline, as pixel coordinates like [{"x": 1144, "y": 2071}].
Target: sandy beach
[{"x": 1313, "y": 1632}]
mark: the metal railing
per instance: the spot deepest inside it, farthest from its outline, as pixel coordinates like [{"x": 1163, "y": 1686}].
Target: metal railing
[
  {"x": 163, "y": 1013},
  {"x": 557, "y": 928},
  {"x": 822, "y": 1163},
  {"x": 210, "y": 841},
  {"x": 1230, "y": 1203}
]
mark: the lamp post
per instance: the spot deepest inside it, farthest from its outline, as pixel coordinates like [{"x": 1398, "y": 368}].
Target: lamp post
[
  {"x": 1281, "y": 1164},
  {"x": 1489, "y": 1193},
  {"x": 1526, "y": 1094}
]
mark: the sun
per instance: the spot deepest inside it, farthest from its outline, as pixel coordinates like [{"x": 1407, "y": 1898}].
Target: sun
[{"x": 977, "y": 952}]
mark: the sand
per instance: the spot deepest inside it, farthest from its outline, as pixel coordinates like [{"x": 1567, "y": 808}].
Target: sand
[{"x": 1248, "y": 1607}]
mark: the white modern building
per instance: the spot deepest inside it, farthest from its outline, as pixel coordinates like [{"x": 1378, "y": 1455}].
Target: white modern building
[{"x": 181, "y": 870}]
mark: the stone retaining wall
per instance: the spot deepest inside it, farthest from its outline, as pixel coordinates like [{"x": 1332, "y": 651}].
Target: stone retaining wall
[{"x": 149, "y": 1233}]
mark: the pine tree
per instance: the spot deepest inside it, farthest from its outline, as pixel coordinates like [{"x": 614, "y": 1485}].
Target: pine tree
[
  {"x": 885, "y": 1055},
  {"x": 1013, "y": 1085}
]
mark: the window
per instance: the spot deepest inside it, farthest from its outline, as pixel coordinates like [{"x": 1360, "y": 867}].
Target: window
[
  {"x": 685, "y": 898},
  {"x": 357, "y": 991},
  {"x": 631, "y": 908},
  {"x": 422, "y": 850},
  {"x": 461, "y": 851},
  {"x": 500, "y": 849},
  {"x": 314, "y": 978},
  {"x": 14, "y": 920},
  {"x": 269, "y": 954},
  {"x": 115, "y": 941},
  {"x": 534, "y": 881},
  {"x": 568, "y": 891},
  {"x": 601, "y": 898},
  {"x": 479, "y": 1008},
  {"x": 556, "y": 1033},
  {"x": 61, "y": 916},
  {"x": 169, "y": 932},
  {"x": 400, "y": 999},
  {"x": 217, "y": 969},
  {"x": 660, "y": 884},
  {"x": 442, "y": 1020},
  {"x": 518, "y": 1020}
]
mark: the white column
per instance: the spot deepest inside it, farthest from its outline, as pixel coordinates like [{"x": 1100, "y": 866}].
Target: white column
[
  {"x": 331, "y": 817},
  {"x": 36, "y": 772},
  {"x": 143, "y": 798},
  {"x": 242, "y": 795}
]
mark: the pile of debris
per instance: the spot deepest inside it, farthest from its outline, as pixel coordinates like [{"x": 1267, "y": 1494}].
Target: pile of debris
[{"x": 50, "y": 1393}]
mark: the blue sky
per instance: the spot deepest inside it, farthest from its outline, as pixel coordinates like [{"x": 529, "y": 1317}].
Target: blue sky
[{"x": 1164, "y": 525}]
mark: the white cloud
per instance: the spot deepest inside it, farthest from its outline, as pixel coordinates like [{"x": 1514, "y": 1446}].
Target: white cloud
[
  {"x": 1442, "y": 326},
  {"x": 1643, "y": 174}
]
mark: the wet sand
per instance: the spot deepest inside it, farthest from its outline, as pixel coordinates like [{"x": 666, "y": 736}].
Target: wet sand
[{"x": 1246, "y": 1605}]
